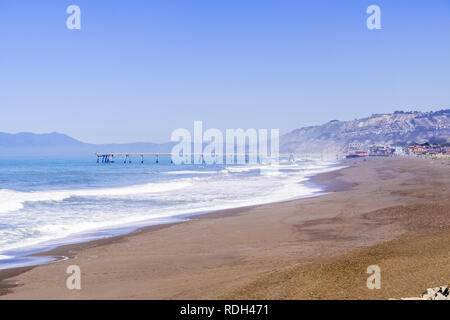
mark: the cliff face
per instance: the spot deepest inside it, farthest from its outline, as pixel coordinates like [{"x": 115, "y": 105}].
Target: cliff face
[{"x": 399, "y": 128}]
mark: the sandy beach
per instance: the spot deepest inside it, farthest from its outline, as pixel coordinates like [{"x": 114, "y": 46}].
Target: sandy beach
[{"x": 390, "y": 212}]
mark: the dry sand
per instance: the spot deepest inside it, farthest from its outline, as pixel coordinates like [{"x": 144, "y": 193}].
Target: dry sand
[{"x": 394, "y": 213}]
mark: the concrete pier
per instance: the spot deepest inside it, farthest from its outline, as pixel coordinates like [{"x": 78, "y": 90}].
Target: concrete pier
[{"x": 291, "y": 157}]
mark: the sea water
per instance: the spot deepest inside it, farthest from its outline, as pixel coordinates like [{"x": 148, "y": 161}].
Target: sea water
[{"x": 47, "y": 203}]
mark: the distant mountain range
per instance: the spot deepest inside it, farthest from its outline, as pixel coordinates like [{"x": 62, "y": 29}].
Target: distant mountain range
[
  {"x": 398, "y": 128},
  {"x": 61, "y": 145}
]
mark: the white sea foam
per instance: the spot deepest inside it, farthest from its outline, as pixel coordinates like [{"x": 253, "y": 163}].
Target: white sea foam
[
  {"x": 189, "y": 172},
  {"x": 244, "y": 168},
  {"x": 14, "y": 200}
]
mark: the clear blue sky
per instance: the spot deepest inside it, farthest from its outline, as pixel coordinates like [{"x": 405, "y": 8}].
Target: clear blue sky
[{"x": 139, "y": 69}]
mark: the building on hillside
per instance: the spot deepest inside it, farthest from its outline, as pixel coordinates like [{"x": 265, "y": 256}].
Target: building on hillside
[
  {"x": 361, "y": 153},
  {"x": 434, "y": 149},
  {"x": 354, "y": 145},
  {"x": 380, "y": 151},
  {"x": 399, "y": 151},
  {"x": 417, "y": 149}
]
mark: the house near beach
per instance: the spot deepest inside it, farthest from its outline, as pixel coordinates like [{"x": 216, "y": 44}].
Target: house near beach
[
  {"x": 417, "y": 149},
  {"x": 427, "y": 149},
  {"x": 381, "y": 150}
]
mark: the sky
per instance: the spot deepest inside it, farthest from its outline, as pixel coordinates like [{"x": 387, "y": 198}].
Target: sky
[{"x": 137, "y": 70}]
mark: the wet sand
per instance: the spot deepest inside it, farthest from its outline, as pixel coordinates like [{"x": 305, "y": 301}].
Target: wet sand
[{"x": 394, "y": 213}]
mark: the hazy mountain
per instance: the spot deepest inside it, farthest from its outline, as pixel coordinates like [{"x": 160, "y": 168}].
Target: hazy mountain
[
  {"x": 398, "y": 128},
  {"x": 60, "y": 145},
  {"x": 28, "y": 139}
]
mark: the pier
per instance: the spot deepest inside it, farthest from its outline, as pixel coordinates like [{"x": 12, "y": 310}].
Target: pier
[{"x": 110, "y": 157}]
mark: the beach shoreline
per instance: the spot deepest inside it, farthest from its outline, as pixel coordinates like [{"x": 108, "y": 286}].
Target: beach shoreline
[
  {"x": 67, "y": 251},
  {"x": 52, "y": 253},
  {"x": 47, "y": 251},
  {"x": 306, "y": 239}
]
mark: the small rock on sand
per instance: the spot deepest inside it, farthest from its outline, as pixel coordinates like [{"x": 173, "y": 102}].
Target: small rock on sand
[{"x": 438, "y": 293}]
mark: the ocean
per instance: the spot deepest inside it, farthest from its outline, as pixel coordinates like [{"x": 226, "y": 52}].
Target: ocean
[{"x": 47, "y": 203}]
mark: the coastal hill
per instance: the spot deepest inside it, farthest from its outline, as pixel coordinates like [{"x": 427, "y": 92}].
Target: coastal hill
[{"x": 398, "y": 129}]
